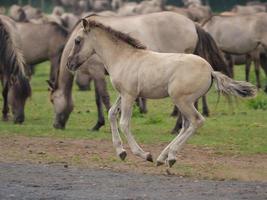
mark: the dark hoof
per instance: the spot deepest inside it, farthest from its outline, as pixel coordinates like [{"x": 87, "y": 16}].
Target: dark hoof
[
  {"x": 59, "y": 126},
  {"x": 5, "y": 118},
  {"x": 143, "y": 111},
  {"x": 149, "y": 158},
  {"x": 175, "y": 131},
  {"x": 171, "y": 162},
  {"x": 94, "y": 128},
  {"x": 159, "y": 163},
  {"x": 206, "y": 114},
  {"x": 98, "y": 126},
  {"x": 123, "y": 155}
]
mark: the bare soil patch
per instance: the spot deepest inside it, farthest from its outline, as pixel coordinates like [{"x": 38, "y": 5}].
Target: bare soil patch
[{"x": 193, "y": 161}]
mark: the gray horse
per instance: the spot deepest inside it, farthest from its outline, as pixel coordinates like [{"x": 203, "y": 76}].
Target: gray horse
[
  {"x": 240, "y": 34},
  {"x": 41, "y": 42}
]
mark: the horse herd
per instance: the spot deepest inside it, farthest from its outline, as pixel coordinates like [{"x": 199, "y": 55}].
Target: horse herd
[{"x": 147, "y": 56}]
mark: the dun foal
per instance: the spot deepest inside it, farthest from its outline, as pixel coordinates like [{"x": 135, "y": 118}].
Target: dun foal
[{"x": 137, "y": 72}]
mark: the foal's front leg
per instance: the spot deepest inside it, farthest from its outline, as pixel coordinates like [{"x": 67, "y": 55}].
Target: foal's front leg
[
  {"x": 117, "y": 143},
  {"x": 126, "y": 113}
]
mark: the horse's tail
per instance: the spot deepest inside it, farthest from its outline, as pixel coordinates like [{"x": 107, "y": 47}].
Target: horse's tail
[
  {"x": 13, "y": 62},
  {"x": 11, "y": 57},
  {"x": 230, "y": 87},
  {"x": 208, "y": 49}
]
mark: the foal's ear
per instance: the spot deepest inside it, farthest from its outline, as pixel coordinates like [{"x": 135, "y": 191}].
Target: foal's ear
[{"x": 85, "y": 24}]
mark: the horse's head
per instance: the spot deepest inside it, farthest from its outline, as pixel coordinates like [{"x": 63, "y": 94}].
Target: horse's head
[
  {"x": 62, "y": 107},
  {"x": 82, "y": 48},
  {"x": 19, "y": 91}
]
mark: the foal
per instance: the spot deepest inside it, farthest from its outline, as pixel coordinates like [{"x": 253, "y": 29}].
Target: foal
[{"x": 137, "y": 72}]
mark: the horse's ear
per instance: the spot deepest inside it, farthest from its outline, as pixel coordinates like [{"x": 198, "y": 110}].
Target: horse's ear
[
  {"x": 85, "y": 24},
  {"x": 51, "y": 86}
]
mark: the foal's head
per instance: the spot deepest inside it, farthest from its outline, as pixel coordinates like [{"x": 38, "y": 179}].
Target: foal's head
[{"x": 82, "y": 48}]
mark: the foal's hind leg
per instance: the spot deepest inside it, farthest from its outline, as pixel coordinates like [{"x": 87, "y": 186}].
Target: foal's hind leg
[
  {"x": 126, "y": 112},
  {"x": 195, "y": 120},
  {"x": 164, "y": 154},
  {"x": 117, "y": 143}
]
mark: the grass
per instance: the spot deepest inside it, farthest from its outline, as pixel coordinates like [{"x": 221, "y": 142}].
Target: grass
[{"x": 240, "y": 128}]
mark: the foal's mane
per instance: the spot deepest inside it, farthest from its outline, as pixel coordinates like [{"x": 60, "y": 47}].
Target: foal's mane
[{"x": 118, "y": 34}]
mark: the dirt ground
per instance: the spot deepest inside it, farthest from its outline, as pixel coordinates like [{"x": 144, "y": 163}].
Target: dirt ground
[{"x": 202, "y": 163}]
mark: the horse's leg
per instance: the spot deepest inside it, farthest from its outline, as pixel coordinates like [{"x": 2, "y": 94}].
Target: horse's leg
[
  {"x": 164, "y": 154},
  {"x": 101, "y": 119},
  {"x": 195, "y": 120},
  {"x": 229, "y": 58},
  {"x": 101, "y": 85},
  {"x": 116, "y": 139},
  {"x": 263, "y": 61},
  {"x": 126, "y": 113},
  {"x": 179, "y": 123},
  {"x": 175, "y": 111},
  {"x": 205, "y": 107},
  {"x": 257, "y": 70},
  {"x": 53, "y": 69},
  {"x": 5, "y": 109},
  {"x": 248, "y": 64},
  {"x": 141, "y": 103}
]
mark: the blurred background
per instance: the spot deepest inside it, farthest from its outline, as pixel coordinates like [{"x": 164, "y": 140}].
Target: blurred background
[{"x": 47, "y": 5}]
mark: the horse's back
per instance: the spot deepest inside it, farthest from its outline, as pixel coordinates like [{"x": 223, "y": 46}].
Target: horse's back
[
  {"x": 234, "y": 34},
  {"x": 162, "y": 31}
]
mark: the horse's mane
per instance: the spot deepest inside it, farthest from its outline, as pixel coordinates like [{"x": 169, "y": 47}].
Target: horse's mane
[
  {"x": 12, "y": 62},
  {"x": 64, "y": 32},
  {"x": 118, "y": 34},
  {"x": 10, "y": 56}
]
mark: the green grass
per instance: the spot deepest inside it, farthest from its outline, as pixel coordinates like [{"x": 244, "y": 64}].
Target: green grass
[{"x": 240, "y": 128}]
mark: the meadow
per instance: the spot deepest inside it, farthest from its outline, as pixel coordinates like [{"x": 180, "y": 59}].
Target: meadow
[
  {"x": 239, "y": 127},
  {"x": 236, "y": 129}
]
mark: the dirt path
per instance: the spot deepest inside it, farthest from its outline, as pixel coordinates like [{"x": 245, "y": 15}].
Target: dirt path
[
  {"x": 31, "y": 181},
  {"x": 202, "y": 163}
]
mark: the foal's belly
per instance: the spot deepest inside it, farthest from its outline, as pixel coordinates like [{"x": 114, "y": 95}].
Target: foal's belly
[{"x": 155, "y": 93}]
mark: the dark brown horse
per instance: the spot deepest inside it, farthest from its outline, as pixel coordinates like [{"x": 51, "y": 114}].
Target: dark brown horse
[{"x": 16, "y": 87}]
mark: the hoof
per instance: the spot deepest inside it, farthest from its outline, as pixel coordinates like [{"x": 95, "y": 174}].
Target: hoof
[
  {"x": 175, "y": 132},
  {"x": 122, "y": 155},
  {"x": 159, "y": 163},
  {"x": 206, "y": 114},
  {"x": 98, "y": 126},
  {"x": 149, "y": 158},
  {"x": 171, "y": 162},
  {"x": 5, "y": 118}
]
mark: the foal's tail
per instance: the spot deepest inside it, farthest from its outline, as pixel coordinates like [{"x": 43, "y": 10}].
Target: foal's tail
[
  {"x": 11, "y": 57},
  {"x": 230, "y": 87},
  {"x": 208, "y": 49}
]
